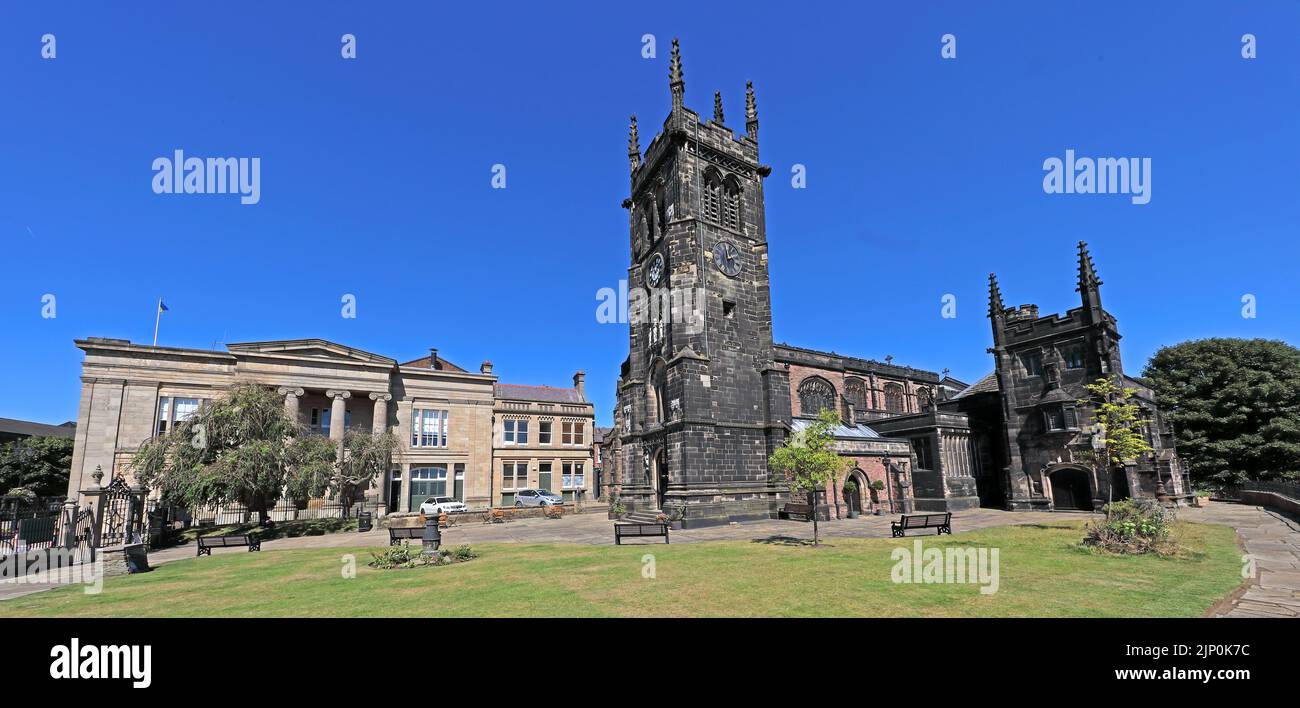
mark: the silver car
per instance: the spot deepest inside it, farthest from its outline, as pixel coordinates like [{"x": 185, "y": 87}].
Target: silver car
[{"x": 537, "y": 497}]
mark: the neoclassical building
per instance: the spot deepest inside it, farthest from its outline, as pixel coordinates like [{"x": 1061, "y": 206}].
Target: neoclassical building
[{"x": 448, "y": 420}]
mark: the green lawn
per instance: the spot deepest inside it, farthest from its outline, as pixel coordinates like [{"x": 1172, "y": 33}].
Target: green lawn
[{"x": 1043, "y": 572}]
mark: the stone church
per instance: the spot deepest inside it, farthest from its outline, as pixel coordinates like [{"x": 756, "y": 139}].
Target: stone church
[{"x": 705, "y": 396}]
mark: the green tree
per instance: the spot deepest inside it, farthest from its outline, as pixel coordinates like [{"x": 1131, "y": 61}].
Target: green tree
[
  {"x": 39, "y": 464},
  {"x": 366, "y": 456},
  {"x": 1234, "y": 405},
  {"x": 241, "y": 448},
  {"x": 1116, "y": 414},
  {"x": 808, "y": 460}
]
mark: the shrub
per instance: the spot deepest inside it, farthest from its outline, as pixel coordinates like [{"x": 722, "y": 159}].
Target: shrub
[
  {"x": 408, "y": 556},
  {"x": 1131, "y": 527}
]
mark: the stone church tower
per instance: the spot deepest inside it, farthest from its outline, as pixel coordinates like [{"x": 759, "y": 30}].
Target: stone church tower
[
  {"x": 701, "y": 402},
  {"x": 1043, "y": 364}
]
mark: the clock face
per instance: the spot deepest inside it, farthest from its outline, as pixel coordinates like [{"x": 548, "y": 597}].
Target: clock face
[
  {"x": 655, "y": 271},
  {"x": 727, "y": 258}
]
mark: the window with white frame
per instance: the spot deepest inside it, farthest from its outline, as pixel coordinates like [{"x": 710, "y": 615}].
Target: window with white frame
[
  {"x": 515, "y": 432},
  {"x": 174, "y": 409},
  {"x": 572, "y": 432},
  {"x": 544, "y": 432},
  {"x": 514, "y": 475},
  {"x": 428, "y": 428},
  {"x": 574, "y": 476}
]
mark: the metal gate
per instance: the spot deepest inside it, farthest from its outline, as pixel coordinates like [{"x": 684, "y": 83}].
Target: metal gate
[{"x": 121, "y": 515}]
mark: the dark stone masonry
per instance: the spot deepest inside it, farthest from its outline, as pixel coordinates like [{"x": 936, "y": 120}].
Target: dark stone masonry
[{"x": 705, "y": 396}]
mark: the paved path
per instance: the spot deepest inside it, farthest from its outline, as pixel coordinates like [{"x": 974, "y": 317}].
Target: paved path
[{"x": 1272, "y": 541}]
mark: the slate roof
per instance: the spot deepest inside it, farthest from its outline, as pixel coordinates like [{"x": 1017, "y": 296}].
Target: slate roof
[
  {"x": 988, "y": 384},
  {"x": 840, "y": 431},
  {"x": 545, "y": 394},
  {"x": 27, "y": 428}
]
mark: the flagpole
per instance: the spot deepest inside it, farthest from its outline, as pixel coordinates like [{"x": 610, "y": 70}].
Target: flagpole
[{"x": 157, "y": 316}]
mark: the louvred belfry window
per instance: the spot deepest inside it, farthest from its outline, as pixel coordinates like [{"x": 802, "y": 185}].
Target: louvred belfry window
[{"x": 712, "y": 196}]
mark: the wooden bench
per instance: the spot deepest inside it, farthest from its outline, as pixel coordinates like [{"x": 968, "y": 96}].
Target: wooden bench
[
  {"x": 791, "y": 510},
  {"x": 398, "y": 534},
  {"x": 207, "y": 543},
  {"x": 498, "y": 516},
  {"x": 622, "y": 531},
  {"x": 553, "y": 511},
  {"x": 942, "y": 523}
]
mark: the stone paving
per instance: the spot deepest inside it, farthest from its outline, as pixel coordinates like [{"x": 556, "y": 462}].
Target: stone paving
[{"x": 1272, "y": 541}]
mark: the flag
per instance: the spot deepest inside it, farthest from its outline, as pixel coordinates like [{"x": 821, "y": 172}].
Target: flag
[{"x": 161, "y": 306}]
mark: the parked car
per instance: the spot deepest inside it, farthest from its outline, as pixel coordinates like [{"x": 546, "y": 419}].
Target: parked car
[
  {"x": 537, "y": 497},
  {"x": 441, "y": 505}
]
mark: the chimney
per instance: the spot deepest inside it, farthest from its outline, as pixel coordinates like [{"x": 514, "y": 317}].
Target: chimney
[
  {"x": 485, "y": 367},
  {"x": 433, "y": 357},
  {"x": 578, "y": 380}
]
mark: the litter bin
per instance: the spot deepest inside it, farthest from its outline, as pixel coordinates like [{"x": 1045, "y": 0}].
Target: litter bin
[{"x": 364, "y": 521}]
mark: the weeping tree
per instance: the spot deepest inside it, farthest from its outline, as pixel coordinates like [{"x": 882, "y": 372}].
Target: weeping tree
[
  {"x": 808, "y": 460},
  {"x": 366, "y": 456},
  {"x": 242, "y": 448}
]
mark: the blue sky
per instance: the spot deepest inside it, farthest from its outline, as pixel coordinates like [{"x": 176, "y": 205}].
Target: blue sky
[{"x": 924, "y": 174}]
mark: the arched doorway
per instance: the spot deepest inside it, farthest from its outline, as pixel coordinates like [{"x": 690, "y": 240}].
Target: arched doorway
[
  {"x": 853, "y": 496},
  {"x": 1118, "y": 484},
  {"x": 1070, "y": 489},
  {"x": 659, "y": 477}
]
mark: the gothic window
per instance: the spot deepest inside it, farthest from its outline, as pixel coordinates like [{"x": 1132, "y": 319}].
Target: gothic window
[
  {"x": 921, "y": 448},
  {"x": 712, "y": 195},
  {"x": 1061, "y": 418},
  {"x": 894, "y": 398},
  {"x": 1033, "y": 362},
  {"x": 1073, "y": 356},
  {"x": 658, "y": 390},
  {"x": 924, "y": 400},
  {"x": 815, "y": 394},
  {"x": 731, "y": 203},
  {"x": 856, "y": 391}
]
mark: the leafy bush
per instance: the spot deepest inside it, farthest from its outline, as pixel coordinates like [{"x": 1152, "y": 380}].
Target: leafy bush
[
  {"x": 1131, "y": 527},
  {"x": 408, "y": 556}
]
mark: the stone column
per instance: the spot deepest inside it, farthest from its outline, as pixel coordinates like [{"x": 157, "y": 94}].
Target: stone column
[
  {"x": 378, "y": 425},
  {"x": 338, "y": 413},
  {"x": 291, "y": 396},
  {"x": 380, "y": 422},
  {"x": 284, "y": 509}
]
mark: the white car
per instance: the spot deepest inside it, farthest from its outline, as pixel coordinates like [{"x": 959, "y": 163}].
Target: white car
[{"x": 441, "y": 505}]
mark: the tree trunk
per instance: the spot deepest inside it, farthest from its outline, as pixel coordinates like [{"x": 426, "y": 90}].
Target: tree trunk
[{"x": 816, "y": 538}]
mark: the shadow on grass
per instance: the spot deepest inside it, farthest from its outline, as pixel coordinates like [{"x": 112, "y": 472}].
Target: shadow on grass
[{"x": 783, "y": 541}]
